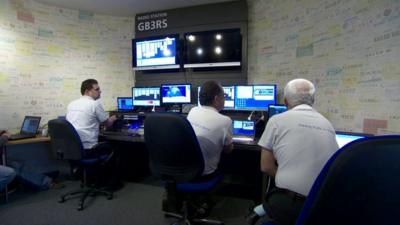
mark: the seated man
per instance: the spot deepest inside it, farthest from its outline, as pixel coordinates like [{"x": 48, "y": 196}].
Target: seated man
[
  {"x": 213, "y": 130},
  {"x": 7, "y": 174},
  {"x": 295, "y": 146},
  {"x": 86, "y": 114}
]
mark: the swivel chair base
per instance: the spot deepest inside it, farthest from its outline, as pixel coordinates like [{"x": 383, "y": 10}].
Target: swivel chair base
[
  {"x": 85, "y": 192},
  {"x": 185, "y": 220}
]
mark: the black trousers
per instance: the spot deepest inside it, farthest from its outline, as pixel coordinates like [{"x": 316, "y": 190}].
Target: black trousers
[{"x": 283, "y": 206}]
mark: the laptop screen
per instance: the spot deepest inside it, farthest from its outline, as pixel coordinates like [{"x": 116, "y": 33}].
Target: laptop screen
[
  {"x": 343, "y": 138},
  {"x": 30, "y": 125},
  {"x": 243, "y": 128},
  {"x": 125, "y": 103},
  {"x": 276, "y": 109}
]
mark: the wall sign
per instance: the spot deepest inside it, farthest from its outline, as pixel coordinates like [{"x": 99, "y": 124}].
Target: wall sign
[{"x": 151, "y": 21}]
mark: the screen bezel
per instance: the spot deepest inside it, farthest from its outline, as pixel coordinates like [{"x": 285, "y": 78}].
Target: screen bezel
[
  {"x": 174, "y": 103},
  {"x": 133, "y": 96},
  {"x": 157, "y": 67}
]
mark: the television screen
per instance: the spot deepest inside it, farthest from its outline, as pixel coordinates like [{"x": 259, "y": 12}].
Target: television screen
[
  {"x": 125, "y": 103},
  {"x": 156, "y": 52},
  {"x": 146, "y": 96},
  {"x": 255, "y": 97},
  {"x": 218, "y": 48},
  {"x": 176, "y": 93},
  {"x": 229, "y": 93}
]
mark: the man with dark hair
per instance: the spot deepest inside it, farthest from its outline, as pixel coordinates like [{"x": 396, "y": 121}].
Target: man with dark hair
[
  {"x": 86, "y": 113},
  {"x": 213, "y": 130},
  {"x": 295, "y": 146}
]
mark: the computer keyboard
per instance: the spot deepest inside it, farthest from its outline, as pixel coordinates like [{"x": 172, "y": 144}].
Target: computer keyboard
[{"x": 118, "y": 133}]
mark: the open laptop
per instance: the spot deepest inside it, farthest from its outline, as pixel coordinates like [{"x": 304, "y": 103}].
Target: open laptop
[
  {"x": 343, "y": 138},
  {"x": 29, "y": 128},
  {"x": 243, "y": 130}
]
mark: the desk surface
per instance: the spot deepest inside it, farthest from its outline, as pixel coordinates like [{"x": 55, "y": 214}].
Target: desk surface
[
  {"x": 29, "y": 140},
  {"x": 249, "y": 145}
]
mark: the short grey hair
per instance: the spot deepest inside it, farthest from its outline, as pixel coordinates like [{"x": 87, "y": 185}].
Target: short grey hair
[{"x": 299, "y": 91}]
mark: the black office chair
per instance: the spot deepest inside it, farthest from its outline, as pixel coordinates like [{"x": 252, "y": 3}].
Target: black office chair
[
  {"x": 360, "y": 184},
  {"x": 67, "y": 145},
  {"x": 175, "y": 157}
]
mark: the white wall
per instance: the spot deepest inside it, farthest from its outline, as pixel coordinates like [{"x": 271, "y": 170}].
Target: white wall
[
  {"x": 46, "y": 52},
  {"x": 349, "y": 49}
]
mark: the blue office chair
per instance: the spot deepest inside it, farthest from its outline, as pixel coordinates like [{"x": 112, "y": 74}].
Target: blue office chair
[
  {"x": 360, "y": 184},
  {"x": 67, "y": 145},
  {"x": 175, "y": 157}
]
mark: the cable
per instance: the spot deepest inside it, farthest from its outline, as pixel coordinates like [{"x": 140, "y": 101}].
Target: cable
[{"x": 251, "y": 114}]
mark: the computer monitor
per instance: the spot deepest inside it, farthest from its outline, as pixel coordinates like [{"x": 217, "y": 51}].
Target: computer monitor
[
  {"x": 254, "y": 97},
  {"x": 229, "y": 93},
  {"x": 146, "y": 96},
  {"x": 124, "y": 103},
  {"x": 176, "y": 93},
  {"x": 344, "y": 138},
  {"x": 276, "y": 109}
]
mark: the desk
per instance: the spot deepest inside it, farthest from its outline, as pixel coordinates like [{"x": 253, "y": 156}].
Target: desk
[
  {"x": 19, "y": 142},
  {"x": 242, "y": 166}
]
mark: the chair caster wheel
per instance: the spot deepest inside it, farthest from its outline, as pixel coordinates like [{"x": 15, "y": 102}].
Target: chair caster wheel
[
  {"x": 109, "y": 197},
  {"x": 80, "y": 208},
  {"x": 61, "y": 200}
]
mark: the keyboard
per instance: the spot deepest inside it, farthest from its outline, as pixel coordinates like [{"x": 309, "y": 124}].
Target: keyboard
[
  {"x": 242, "y": 139},
  {"x": 21, "y": 136}
]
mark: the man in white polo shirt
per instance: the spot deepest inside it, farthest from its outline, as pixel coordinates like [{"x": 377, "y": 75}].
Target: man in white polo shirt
[
  {"x": 295, "y": 146},
  {"x": 213, "y": 130},
  {"x": 86, "y": 114}
]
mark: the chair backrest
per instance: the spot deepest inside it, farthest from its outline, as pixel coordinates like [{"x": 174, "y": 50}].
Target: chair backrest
[
  {"x": 65, "y": 141},
  {"x": 360, "y": 184},
  {"x": 174, "y": 152}
]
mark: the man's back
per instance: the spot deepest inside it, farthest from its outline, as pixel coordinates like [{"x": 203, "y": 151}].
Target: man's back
[
  {"x": 302, "y": 141},
  {"x": 85, "y": 114},
  {"x": 213, "y": 131}
]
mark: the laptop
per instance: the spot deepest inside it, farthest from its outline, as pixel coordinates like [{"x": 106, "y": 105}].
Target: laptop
[
  {"x": 243, "y": 130},
  {"x": 125, "y": 103},
  {"x": 29, "y": 128},
  {"x": 276, "y": 109},
  {"x": 343, "y": 138}
]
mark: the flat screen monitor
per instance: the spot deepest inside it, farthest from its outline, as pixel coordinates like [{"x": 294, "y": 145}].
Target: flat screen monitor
[
  {"x": 343, "y": 138},
  {"x": 176, "y": 93},
  {"x": 146, "y": 96},
  {"x": 216, "y": 48},
  {"x": 255, "y": 97},
  {"x": 159, "y": 52},
  {"x": 276, "y": 109},
  {"x": 125, "y": 103},
  {"x": 229, "y": 94}
]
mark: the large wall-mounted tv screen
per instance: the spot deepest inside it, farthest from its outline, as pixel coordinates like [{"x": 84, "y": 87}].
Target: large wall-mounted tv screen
[
  {"x": 153, "y": 53},
  {"x": 217, "y": 48}
]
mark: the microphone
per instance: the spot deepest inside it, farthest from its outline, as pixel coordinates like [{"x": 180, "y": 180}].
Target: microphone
[{"x": 251, "y": 114}]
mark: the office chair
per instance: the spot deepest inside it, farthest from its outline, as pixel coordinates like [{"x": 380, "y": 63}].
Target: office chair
[
  {"x": 67, "y": 145},
  {"x": 175, "y": 157},
  {"x": 360, "y": 184}
]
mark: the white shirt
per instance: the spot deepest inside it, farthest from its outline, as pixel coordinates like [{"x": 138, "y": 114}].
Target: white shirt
[
  {"x": 302, "y": 141},
  {"x": 213, "y": 131},
  {"x": 86, "y": 114}
]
